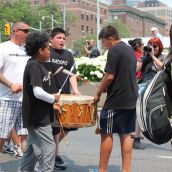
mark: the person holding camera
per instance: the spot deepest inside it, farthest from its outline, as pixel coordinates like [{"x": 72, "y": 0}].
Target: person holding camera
[
  {"x": 91, "y": 49},
  {"x": 137, "y": 45},
  {"x": 151, "y": 61}
]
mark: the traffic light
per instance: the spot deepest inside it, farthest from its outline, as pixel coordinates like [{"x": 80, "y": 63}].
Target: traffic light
[{"x": 7, "y": 29}]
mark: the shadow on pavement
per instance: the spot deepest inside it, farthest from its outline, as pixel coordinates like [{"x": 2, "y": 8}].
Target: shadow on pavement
[
  {"x": 73, "y": 167},
  {"x": 10, "y": 166}
]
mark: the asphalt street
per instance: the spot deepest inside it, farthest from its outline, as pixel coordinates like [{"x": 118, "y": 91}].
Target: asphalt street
[{"x": 82, "y": 155}]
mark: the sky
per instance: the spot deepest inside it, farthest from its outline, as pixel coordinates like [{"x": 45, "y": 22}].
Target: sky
[{"x": 168, "y": 2}]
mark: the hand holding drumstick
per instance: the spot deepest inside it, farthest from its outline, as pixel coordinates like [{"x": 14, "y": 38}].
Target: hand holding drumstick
[{"x": 55, "y": 106}]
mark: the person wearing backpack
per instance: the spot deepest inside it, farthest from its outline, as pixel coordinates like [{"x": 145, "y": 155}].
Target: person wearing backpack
[
  {"x": 137, "y": 45},
  {"x": 149, "y": 64},
  {"x": 169, "y": 57},
  {"x": 154, "y": 104}
]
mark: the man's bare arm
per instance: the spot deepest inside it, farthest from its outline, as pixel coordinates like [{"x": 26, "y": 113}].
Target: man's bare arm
[
  {"x": 15, "y": 88},
  {"x": 5, "y": 81}
]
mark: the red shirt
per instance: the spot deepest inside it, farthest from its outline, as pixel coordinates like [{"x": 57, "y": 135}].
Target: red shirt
[{"x": 138, "y": 55}]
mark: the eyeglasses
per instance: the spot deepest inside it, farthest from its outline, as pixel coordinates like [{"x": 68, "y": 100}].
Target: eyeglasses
[{"x": 24, "y": 30}]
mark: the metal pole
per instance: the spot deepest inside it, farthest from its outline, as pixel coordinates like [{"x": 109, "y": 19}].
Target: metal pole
[
  {"x": 33, "y": 28},
  {"x": 40, "y": 26},
  {"x": 52, "y": 21},
  {"x": 64, "y": 17},
  {"x": 98, "y": 24}
]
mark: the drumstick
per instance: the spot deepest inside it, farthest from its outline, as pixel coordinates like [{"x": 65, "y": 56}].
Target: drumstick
[
  {"x": 57, "y": 71},
  {"x": 50, "y": 75},
  {"x": 78, "y": 77},
  {"x": 66, "y": 79}
]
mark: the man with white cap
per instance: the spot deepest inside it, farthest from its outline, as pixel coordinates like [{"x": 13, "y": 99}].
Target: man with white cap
[{"x": 155, "y": 33}]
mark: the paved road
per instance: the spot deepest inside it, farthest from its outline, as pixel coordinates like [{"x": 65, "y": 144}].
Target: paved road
[{"x": 82, "y": 155}]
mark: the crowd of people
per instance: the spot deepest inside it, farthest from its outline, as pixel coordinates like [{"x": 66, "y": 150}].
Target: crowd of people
[{"x": 28, "y": 93}]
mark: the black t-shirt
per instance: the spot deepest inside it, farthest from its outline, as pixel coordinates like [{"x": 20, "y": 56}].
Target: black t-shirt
[
  {"x": 122, "y": 93},
  {"x": 63, "y": 58},
  {"x": 35, "y": 111}
]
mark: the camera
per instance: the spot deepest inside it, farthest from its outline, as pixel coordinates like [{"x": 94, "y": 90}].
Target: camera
[{"x": 147, "y": 48}]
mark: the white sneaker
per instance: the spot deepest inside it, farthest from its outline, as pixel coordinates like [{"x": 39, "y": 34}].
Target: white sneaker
[{"x": 18, "y": 151}]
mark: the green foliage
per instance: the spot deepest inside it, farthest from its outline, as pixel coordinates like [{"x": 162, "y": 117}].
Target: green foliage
[
  {"x": 85, "y": 72},
  {"x": 123, "y": 30},
  {"x": 23, "y": 10}
]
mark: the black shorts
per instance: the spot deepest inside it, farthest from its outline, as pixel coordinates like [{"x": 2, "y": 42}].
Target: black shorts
[
  {"x": 121, "y": 121},
  {"x": 57, "y": 130}
]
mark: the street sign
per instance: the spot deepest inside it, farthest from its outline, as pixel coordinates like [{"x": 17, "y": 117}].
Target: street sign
[{"x": 7, "y": 29}]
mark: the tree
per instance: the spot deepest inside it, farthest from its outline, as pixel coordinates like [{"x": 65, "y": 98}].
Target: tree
[
  {"x": 23, "y": 10},
  {"x": 123, "y": 30}
]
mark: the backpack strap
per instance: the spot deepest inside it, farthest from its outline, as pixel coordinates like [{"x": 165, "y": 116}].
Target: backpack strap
[{"x": 166, "y": 64}]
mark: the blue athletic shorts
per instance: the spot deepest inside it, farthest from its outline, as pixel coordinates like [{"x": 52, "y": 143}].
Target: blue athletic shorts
[{"x": 121, "y": 121}]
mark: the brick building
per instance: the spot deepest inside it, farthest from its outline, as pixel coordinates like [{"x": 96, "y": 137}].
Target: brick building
[
  {"x": 85, "y": 12},
  {"x": 159, "y": 10},
  {"x": 138, "y": 22}
]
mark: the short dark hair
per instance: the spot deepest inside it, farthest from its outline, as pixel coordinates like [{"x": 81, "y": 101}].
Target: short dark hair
[
  {"x": 135, "y": 43},
  {"x": 109, "y": 31},
  {"x": 35, "y": 41},
  {"x": 56, "y": 31}
]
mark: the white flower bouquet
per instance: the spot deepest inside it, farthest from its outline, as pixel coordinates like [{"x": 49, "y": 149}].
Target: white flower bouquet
[{"x": 91, "y": 69}]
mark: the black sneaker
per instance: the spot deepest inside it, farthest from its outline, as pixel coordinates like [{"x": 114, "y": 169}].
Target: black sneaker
[
  {"x": 137, "y": 144},
  {"x": 59, "y": 163}
]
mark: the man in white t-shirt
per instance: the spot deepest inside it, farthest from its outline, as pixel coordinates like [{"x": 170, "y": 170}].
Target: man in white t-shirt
[{"x": 12, "y": 63}]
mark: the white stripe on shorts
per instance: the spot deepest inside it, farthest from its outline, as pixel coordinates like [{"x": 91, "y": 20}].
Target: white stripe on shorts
[{"x": 110, "y": 121}]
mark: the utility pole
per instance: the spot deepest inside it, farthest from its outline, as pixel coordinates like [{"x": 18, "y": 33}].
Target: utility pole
[
  {"x": 98, "y": 23},
  {"x": 40, "y": 26},
  {"x": 52, "y": 21},
  {"x": 64, "y": 17}
]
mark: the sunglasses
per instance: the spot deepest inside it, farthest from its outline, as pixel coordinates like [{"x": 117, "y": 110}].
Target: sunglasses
[
  {"x": 24, "y": 30},
  {"x": 154, "y": 46}
]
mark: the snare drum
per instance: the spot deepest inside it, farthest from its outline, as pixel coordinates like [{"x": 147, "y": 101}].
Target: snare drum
[{"x": 77, "y": 111}]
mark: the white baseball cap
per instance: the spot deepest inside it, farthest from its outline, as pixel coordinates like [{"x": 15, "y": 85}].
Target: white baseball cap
[{"x": 154, "y": 29}]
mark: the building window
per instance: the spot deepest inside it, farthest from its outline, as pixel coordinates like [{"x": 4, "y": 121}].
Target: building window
[
  {"x": 46, "y": 1},
  {"x": 104, "y": 11},
  {"x": 36, "y": 2},
  {"x": 82, "y": 16},
  {"x": 87, "y": 17},
  {"x": 82, "y": 27},
  {"x": 91, "y": 30},
  {"x": 87, "y": 29},
  {"x": 91, "y": 17}
]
